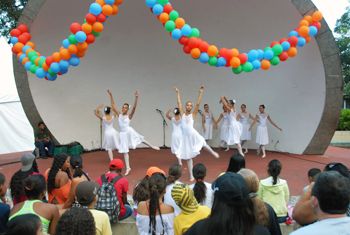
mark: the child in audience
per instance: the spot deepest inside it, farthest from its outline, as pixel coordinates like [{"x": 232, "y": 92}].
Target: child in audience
[
  {"x": 76, "y": 221},
  {"x": 28, "y": 224},
  {"x": 202, "y": 190},
  {"x": 311, "y": 175},
  {"x": 174, "y": 174}
]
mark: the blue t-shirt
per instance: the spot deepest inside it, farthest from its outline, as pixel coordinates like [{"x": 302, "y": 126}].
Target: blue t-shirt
[{"x": 4, "y": 216}]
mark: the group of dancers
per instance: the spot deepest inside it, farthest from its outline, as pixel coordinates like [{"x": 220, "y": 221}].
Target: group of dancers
[{"x": 186, "y": 142}]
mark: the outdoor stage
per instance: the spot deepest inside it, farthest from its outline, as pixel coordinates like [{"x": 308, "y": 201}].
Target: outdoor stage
[{"x": 294, "y": 167}]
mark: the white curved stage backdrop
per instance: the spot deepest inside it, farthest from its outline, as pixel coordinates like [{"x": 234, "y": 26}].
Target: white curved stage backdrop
[{"x": 135, "y": 53}]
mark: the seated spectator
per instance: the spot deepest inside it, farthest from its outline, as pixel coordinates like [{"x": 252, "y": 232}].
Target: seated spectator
[
  {"x": 35, "y": 189},
  {"x": 29, "y": 167},
  {"x": 274, "y": 190},
  {"x": 232, "y": 212},
  {"x": 202, "y": 190},
  {"x": 191, "y": 211},
  {"x": 43, "y": 140},
  {"x": 330, "y": 200},
  {"x": 76, "y": 221},
  {"x": 28, "y": 224},
  {"x": 4, "y": 208},
  {"x": 121, "y": 186},
  {"x": 174, "y": 174},
  {"x": 311, "y": 175},
  {"x": 59, "y": 179},
  {"x": 154, "y": 216},
  {"x": 86, "y": 194},
  {"x": 236, "y": 163},
  {"x": 264, "y": 213}
]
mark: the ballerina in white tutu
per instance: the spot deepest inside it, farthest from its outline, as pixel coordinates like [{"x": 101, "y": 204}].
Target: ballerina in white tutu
[
  {"x": 244, "y": 118},
  {"x": 128, "y": 137},
  {"x": 192, "y": 141},
  {"x": 110, "y": 135},
  {"x": 207, "y": 123},
  {"x": 176, "y": 134},
  {"x": 234, "y": 127},
  {"x": 262, "y": 136},
  {"x": 224, "y": 116}
]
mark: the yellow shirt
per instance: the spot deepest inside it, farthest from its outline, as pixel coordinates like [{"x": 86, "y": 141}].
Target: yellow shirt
[
  {"x": 183, "y": 222},
  {"x": 103, "y": 226}
]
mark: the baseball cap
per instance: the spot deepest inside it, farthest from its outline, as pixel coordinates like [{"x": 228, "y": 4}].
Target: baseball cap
[
  {"x": 86, "y": 192},
  {"x": 116, "y": 164},
  {"x": 27, "y": 161},
  {"x": 153, "y": 169}
]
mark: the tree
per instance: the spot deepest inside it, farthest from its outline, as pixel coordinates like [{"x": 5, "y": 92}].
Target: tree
[
  {"x": 10, "y": 11},
  {"x": 342, "y": 37}
]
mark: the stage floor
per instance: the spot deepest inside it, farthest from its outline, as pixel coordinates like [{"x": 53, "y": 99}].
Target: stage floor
[{"x": 294, "y": 167}]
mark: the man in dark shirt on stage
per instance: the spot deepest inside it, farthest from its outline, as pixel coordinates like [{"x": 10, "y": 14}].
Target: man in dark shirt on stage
[{"x": 43, "y": 140}]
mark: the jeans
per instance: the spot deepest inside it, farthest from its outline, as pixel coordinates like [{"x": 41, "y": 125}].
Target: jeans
[
  {"x": 128, "y": 212},
  {"x": 41, "y": 146}
]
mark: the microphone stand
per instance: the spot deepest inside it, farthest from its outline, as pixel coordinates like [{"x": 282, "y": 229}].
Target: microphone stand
[{"x": 164, "y": 123}]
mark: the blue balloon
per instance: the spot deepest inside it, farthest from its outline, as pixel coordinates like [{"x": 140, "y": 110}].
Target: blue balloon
[
  {"x": 221, "y": 62},
  {"x": 55, "y": 67},
  {"x": 176, "y": 34},
  {"x": 260, "y": 54},
  {"x": 256, "y": 64},
  {"x": 252, "y": 55},
  {"x": 50, "y": 77},
  {"x": 109, "y": 2},
  {"x": 40, "y": 73},
  {"x": 285, "y": 45},
  {"x": 150, "y": 3},
  {"x": 95, "y": 9},
  {"x": 157, "y": 9},
  {"x": 186, "y": 30},
  {"x": 22, "y": 57},
  {"x": 301, "y": 42},
  {"x": 74, "y": 61},
  {"x": 25, "y": 48},
  {"x": 64, "y": 71},
  {"x": 293, "y": 33},
  {"x": 65, "y": 43},
  {"x": 313, "y": 31},
  {"x": 204, "y": 58},
  {"x": 14, "y": 40},
  {"x": 28, "y": 65},
  {"x": 63, "y": 65},
  {"x": 80, "y": 36},
  {"x": 268, "y": 54}
]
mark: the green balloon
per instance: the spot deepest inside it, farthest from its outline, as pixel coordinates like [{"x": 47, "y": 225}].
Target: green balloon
[
  {"x": 195, "y": 33},
  {"x": 173, "y": 15},
  {"x": 247, "y": 67},
  {"x": 72, "y": 39},
  {"x": 51, "y": 73},
  {"x": 96, "y": 34},
  {"x": 32, "y": 54},
  {"x": 33, "y": 58},
  {"x": 212, "y": 61},
  {"x": 267, "y": 48},
  {"x": 33, "y": 68},
  {"x": 170, "y": 25},
  {"x": 42, "y": 61},
  {"x": 163, "y": 2},
  {"x": 277, "y": 49},
  {"x": 237, "y": 70},
  {"x": 275, "y": 60}
]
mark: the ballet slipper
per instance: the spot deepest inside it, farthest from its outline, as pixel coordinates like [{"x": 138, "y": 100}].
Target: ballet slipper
[
  {"x": 258, "y": 152},
  {"x": 127, "y": 171},
  {"x": 156, "y": 148},
  {"x": 227, "y": 149},
  {"x": 216, "y": 155},
  {"x": 263, "y": 156},
  {"x": 246, "y": 150}
]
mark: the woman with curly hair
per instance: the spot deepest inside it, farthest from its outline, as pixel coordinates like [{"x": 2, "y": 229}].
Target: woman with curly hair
[
  {"x": 76, "y": 221},
  {"x": 59, "y": 179},
  {"x": 28, "y": 224}
]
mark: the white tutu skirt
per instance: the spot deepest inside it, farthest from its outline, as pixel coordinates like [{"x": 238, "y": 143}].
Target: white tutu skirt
[
  {"x": 246, "y": 134},
  {"x": 192, "y": 143},
  {"x": 262, "y": 136},
  {"x": 110, "y": 139},
  {"x": 176, "y": 141},
  {"x": 208, "y": 133},
  {"x": 234, "y": 133},
  {"x": 223, "y": 132},
  {"x": 129, "y": 140}
]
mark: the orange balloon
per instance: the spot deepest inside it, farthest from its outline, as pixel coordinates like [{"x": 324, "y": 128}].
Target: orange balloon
[
  {"x": 107, "y": 10},
  {"x": 235, "y": 62},
  {"x": 292, "y": 52},
  {"x": 36, "y": 61},
  {"x": 317, "y": 16},
  {"x": 25, "y": 60},
  {"x": 308, "y": 18},
  {"x": 101, "y": 2},
  {"x": 45, "y": 67},
  {"x": 17, "y": 48},
  {"x": 65, "y": 54},
  {"x": 115, "y": 10},
  {"x": 212, "y": 50},
  {"x": 81, "y": 53},
  {"x": 82, "y": 46},
  {"x": 164, "y": 17},
  {"x": 56, "y": 56},
  {"x": 31, "y": 44},
  {"x": 195, "y": 53},
  {"x": 308, "y": 39},
  {"x": 118, "y": 2},
  {"x": 87, "y": 28},
  {"x": 180, "y": 22},
  {"x": 303, "y": 31},
  {"x": 304, "y": 23},
  {"x": 265, "y": 64},
  {"x": 235, "y": 52},
  {"x": 72, "y": 49},
  {"x": 97, "y": 27}
]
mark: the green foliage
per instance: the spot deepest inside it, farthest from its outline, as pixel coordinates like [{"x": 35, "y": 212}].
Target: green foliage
[
  {"x": 10, "y": 11},
  {"x": 344, "y": 120}
]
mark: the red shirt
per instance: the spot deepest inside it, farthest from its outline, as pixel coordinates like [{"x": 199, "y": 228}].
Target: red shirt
[{"x": 121, "y": 186}]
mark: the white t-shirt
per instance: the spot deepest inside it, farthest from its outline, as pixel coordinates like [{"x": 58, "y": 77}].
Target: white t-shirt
[
  {"x": 167, "y": 228},
  {"x": 168, "y": 199},
  {"x": 209, "y": 195},
  {"x": 336, "y": 226}
]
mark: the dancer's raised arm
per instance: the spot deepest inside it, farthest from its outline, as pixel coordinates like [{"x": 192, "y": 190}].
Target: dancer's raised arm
[
  {"x": 199, "y": 100},
  {"x": 224, "y": 101},
  {"x": 135, "y": 104},
  {"x": 97, "y": 111},
  {"x": 274, "y": 124},
  {"x": 168, "y": 114},
  {"x": 113, "y": 104},
  {"x": 179, "y": 104}
]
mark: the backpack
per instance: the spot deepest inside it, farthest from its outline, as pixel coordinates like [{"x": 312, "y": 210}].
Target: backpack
[{"x": 107, "y": 198}]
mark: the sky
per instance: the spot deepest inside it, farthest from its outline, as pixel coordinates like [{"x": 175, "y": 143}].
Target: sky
[{"x": 331, "y": 10}]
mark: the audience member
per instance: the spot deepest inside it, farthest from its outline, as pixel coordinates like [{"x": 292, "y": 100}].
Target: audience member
[
  {"x": 311, "y": 175},
  {"x": 4, "y": 208},
  {"x": 28, "y": 224},
  {"x": 236, "y": 163},
  {"x": 174, "y": 174},
  {"x": 154, "y": 216},
  {"x": 202, "y": 190},
  {"x": 43, "y": 140},
  {"x": 191, "y": 211},
  {"x": 274, "y": 190},
  {"x": 76, "y": 221}
]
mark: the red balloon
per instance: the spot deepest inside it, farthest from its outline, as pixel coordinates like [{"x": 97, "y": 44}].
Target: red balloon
[
  {"x": 293, "y": 40},
  {"x": 283, "y": 40},
  {"x": 101, "y": 18},
  {"x": 283, "y": 56},
  {"x": 223, "y": 52},
  {"x": 193, "y": 43},
  {"x": 23, "y": 28},
  {"x": 187, "y": 49},
  {"x": 167, "y": 8},
  {"x": 75, "y": 27},
  {"x": 243, "y": 58},
  {"x": 27, "y": 35},
  {"x": 317, "y": 25},
  {"x": 90, "y": 18},
  {"x": 183, "y": 40},
  {"x": 49, "y": 60},
  {"x": 274, "y": 43},
  {"x": 203, "y": 46},
  {"x": 15, "y": 33},
  {"x": 90, "y": 38},
  {"x": 23, "y": 38}
]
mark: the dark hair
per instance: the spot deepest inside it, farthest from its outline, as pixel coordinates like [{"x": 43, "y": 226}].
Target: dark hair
[
  {"x": 176, "y": 111},
  {"x": 23, "y": 224},
  {"x": 141, "y": 191},
  {"x": 262, "y": 106},
  {"x": 236, "y": 163},
  {"x": 157, "y": 184},
  {"x": 274, "y": 170},
  {"x": 2, "y": 179},
  {"x": 107, "y": 110},
  {"x": 41, "y": 122},
  {"x": 245, "y": 106},
  {"x": 199, "y": 172},
  {"x": 57, "y": 164},
  {"x": 339, "y": 167},
  {"x": 126, "y": 104},
  {"x": 332, "y": 191},
  {"x": 231, "y": 102},
  {"x": 313, "y": 172},
  {"x": 76, "y": 162},
  {"x": 175, "y": 173},
  {"x": 76, "y": 221},
  {"x": 205, "y": 105},
  {"x": 34, "y": 186}
]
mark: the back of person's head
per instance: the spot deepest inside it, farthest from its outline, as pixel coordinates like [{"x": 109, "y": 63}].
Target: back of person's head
[
  {"x": 57, "y": 165},
  {"x": 184, "y": 197},
  {"x": 116, "y": 165},
  {"x": 16, "y": 183},
  {"x": 35, "y": 187},
  {"x": 236, "y": 163},
  {"x": 199, "y": 172},
  {"x": 76, "y": 221},
  {"x": 274, "y": 170},
  {"x": 28, "y": 224},
  {"x": 339, "y": 167},
  {"x": 157, "y": 185},
  {"x": 76, "y": 162},
  {"x": 141, "y": 191},
  {"x": 174, "y": 173},
  {"x": 107, "y": 110},
  {"x": 86, "y": 193},
  {"x": 312, "y": 173},
  {"x": 332, "y": 191},
  {"x": 233, "y": 210}
]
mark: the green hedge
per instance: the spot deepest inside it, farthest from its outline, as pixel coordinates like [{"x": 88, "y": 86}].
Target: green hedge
[{"x": 344, "y": 120}]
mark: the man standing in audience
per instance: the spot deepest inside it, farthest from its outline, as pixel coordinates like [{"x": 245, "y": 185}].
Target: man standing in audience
[
  {"x": 43, "y": 140},
  {"x": 330, "y": 200}
]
